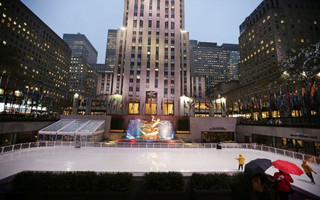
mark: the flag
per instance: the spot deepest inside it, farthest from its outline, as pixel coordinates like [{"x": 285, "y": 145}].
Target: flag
[
  {"x": 82, "y": 101},
  {"x": 0, "y": 80},
  {"x": 281, "y": 105},
  {"x": 245, "y": 103},
  {"x": 114, "y": 104},
  {"x": 42, "y": 96},
  {"x": 288, "y": 97},
  {"x": 13, "y": 95},
  {"x": 26, "y": 98},
  {"x": 312, "y": 89},
  {"x": 110, "y": 102},
  {"x": 295, "y": 97},
  {"x": 191, "y": 104},
  {"x": 126, "y": 103},
  {"x": 32, "y": 96},
  {"x": 275, "y": 100},
  {"x": 121, "y": 104},
  {"x": 185, "y": 104},
  {"x": 269, "y": 100},
  {"x": 206, "y": 104},
  {"x": 105, "y": 101},
  {"x": 223, "y": 107},
  {"x": 161, "y": 104},
  {"x": 5, "y": 87},
  {"x": 216, "y": 105},
  {"x": 211, "y": 104},
  {"x": 260, "y": 102}
]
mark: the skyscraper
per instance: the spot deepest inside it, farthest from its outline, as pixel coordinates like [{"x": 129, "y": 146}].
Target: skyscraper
[
  {"x": 37, "y": 58},
  {"x": 152, "y": 57},
  {"x": 111, "y": 48},
  {"x": 215, "y": 63},
  {"x": 82, "y": 79},
  {"x": 266, "y": 36}
]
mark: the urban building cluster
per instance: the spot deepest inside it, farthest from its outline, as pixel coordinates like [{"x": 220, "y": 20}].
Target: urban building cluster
[{"x": 153, "y": 68}]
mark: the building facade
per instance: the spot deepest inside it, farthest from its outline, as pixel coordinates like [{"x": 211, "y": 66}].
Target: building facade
[
  {"x": 152, "y": 57},
  {"x": 111, "y": 48},
  {"x": 267, "y": 34},
  {"x": 82, "y": 79},
  {"x": 215, "y": 63},
  {"x": 105, "y": 79},
  {"x": 35, "y": 74}
]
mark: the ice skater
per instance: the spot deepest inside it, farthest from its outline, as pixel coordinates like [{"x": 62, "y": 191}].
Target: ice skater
[
  {"x": 241, "y": 161},
  {"x": 308, "y": 170}
]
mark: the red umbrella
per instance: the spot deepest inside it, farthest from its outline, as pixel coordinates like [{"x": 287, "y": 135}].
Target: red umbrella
[{"x": 287, "y": 167}]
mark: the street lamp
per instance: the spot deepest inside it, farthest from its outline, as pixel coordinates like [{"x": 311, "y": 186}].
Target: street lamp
[{"x": 75, "y": 104}]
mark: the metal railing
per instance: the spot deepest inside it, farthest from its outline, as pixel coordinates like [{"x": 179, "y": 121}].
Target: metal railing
[{"x": 253, "y": 146}]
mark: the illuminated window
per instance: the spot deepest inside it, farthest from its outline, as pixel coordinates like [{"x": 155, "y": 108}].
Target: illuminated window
[
  {"x": 282, "y": 21},
  {"x": 261, "y": 42},
  {"x": 133, "y": 108},
  {"x": 302, "y": 40},
  {"x": 4, "y": 42},
  {"x": 296, "y": 113},
  {"x": 151, "y": 109},
  {"x": 168, "y": 109},
  {"x": 275, "y": 113},
  {"x": 315, "y": 22}
]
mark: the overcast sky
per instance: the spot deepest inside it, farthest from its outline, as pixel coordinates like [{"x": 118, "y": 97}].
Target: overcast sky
[{"x": 206, "y": 20}]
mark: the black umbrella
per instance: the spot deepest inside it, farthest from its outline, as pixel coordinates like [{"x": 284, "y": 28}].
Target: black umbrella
[{"x": 257, "y": 166}]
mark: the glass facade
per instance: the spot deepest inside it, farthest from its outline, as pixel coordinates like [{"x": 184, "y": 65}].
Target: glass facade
[{"x": 296, "y": 145}]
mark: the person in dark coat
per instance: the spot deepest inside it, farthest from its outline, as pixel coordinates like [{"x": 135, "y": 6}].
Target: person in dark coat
[{"x": 283, "y": 184}]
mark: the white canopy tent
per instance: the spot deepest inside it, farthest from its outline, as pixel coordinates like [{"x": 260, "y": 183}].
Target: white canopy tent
[{"x": 73, "y": 130}]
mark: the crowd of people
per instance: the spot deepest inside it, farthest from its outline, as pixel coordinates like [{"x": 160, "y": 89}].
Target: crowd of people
[{"x": 276, "y": 187}]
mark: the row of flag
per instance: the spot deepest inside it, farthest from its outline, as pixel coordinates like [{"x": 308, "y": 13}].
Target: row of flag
[
  {"x": 287, "y": 99},
  {"x": 37, "y": 98}
]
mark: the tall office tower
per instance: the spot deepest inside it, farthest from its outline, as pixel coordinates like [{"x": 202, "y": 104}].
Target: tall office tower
[
  {"x": 272, "y": 29},
  {"x": 152, "y": 57},
  {"x": 111, "y": 48},
  {"x": 34, "y": 56},
  {"x": 267, "y": 34},
  {"x": 82, "y": 79},
  {"x": 193, "y": 45},
  {"x": 215, "y": 63},
  {"x": 233, "y": 59}
]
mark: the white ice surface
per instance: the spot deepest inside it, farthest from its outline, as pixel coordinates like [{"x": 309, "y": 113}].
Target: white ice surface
[{"x": 142, "y": 160}]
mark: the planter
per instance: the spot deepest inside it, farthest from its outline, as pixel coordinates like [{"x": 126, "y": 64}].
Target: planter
[
  {"x": 172, "y": 195},
  {"x": 75, "y": 195},
  {"x": 212, "y": 194}
]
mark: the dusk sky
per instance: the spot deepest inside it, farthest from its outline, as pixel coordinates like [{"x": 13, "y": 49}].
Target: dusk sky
[{"x": 206, "y": 20}]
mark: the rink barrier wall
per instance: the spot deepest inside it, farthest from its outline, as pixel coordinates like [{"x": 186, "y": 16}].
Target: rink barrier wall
[{"x": 253, "y": 146}]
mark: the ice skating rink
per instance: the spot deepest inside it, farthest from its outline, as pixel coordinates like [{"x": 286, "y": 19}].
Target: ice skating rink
[{"x": 139, "y": 160}]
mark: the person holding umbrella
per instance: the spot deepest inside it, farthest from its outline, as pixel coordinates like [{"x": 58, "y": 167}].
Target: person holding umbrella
[
  {"x": 283, "y": 179},
  {"x": 261, "y": 182},
  {"x": 308, "y": 170},
  {"x": 241, "y": 161},
  {"x": 283, "y": 184}
]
